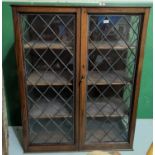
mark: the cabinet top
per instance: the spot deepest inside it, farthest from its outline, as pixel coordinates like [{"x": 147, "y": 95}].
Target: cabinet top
[{"x": 103, "y": 3}]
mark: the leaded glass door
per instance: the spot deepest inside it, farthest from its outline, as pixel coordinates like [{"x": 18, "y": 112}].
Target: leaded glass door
[
  {"x": 79, "y": 75},
  {"x": 49, "y": 53},
  {"x": 108, "y": 76}
]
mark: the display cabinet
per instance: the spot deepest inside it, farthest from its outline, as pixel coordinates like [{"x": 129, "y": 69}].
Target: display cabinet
[{"x": 79, "y": 75}]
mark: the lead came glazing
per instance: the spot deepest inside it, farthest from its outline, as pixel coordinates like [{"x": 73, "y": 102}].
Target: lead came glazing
[{"x": 49, "y": 48}]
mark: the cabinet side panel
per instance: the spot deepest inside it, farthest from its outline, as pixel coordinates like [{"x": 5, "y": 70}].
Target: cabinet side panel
[
  {"x": 138, "y": 74},
  {"x": 21, "y": 76}
]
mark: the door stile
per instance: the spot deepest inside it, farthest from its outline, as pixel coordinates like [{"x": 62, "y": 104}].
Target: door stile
[
  {"x": 83, "y": 67},
  {"x": 77, "y": 76}
]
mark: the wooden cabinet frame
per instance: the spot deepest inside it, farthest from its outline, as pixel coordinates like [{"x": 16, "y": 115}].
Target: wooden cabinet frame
[{"x": 80, "y": 99}]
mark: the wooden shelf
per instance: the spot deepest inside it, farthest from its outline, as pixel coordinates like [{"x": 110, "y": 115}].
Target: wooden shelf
[
  {"x": 107, "y": 78},
  {"x": 54, "y": 109},
  {"x": 99, "y": 128},
  {"x": 41, "y": 45},
  {"x": 117, "y": 45},
  {"x": 45, "y": 110},
  {"x": 49, "y": 78},
  {"x": 101, "y": 108}
]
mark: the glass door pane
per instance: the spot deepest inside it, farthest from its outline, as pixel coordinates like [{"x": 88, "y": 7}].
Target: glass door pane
[
  {"x": 112, "y": 57},
  {"x": 49, "y": 56}
]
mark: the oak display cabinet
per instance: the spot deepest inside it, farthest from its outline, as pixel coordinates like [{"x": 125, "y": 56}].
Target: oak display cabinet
[{"x": 79, "y": 75}]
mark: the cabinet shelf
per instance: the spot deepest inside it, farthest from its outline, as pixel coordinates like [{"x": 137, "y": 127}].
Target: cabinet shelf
[
  {"x": 49, "y": 78},
  {"x": 101, "y": 108},
  {"x": 117, "y": 78},
  {"x": 41, "y": 45},
  {"x": 44, "y": 110},
  {"x": 55, "y": 109},
  {"x": 117, "y": 45}
]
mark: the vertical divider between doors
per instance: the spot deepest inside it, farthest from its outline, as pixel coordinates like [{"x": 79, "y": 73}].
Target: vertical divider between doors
[
  {"x": 77, "y": 76},
  {"x": 82, "y": 82}
]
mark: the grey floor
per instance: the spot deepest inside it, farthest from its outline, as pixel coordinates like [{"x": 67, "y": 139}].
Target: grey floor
[{"x": 142, "y": 141}]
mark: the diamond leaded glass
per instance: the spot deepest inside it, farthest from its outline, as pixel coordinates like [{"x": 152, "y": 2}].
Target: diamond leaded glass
[
  {"x": 49, "y": 48},
  {"x": 112, "y": 53}
]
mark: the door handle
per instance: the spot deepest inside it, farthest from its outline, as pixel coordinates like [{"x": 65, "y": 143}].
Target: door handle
[{"x": 82, "y": 78}]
